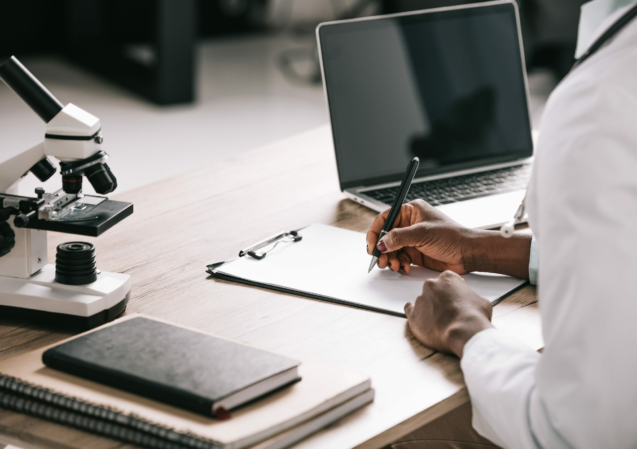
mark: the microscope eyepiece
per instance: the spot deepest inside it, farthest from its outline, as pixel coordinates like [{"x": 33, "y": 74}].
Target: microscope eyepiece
[{"x": 27, "y": 86}]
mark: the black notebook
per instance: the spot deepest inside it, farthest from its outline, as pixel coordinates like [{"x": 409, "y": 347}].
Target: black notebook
[{"x": 177, "y": 366}]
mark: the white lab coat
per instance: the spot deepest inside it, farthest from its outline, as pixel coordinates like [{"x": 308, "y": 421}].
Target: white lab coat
[{"x": 581, "y": 392}]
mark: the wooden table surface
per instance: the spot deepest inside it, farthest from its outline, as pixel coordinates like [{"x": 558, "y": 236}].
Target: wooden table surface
[{"x": 205, "y": 216}]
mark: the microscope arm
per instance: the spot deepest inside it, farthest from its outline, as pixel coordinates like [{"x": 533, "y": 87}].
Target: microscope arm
[{"x": 72, "y": 135}]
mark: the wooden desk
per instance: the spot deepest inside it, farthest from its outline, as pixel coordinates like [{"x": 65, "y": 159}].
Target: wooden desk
[{"x": 205, "y": 216}]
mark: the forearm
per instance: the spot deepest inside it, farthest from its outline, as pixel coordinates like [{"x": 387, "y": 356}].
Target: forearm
[{"x": 490, "y": 252}]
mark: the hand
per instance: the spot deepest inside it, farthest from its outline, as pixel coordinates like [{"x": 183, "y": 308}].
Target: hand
[
  {"x": 423, "y": 236},
  {"x": 448, "y": 314}
]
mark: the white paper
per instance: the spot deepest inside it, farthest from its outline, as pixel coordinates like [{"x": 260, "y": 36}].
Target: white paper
[{"x": 333, "y": 263}]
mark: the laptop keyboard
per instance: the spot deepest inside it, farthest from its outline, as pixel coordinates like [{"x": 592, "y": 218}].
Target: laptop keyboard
[{"x": 460, "y": 188}]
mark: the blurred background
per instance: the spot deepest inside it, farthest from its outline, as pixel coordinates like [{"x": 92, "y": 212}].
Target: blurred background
[{"x": 179, "y": 84}]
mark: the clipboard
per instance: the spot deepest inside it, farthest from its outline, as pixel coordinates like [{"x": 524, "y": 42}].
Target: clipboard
[{"x": 330, "y": 264}]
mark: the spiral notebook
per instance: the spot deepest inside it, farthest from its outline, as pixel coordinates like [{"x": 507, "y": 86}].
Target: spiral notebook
[
  {"x": 325, "y": 394},
  {"x": 328, "y": 263}
]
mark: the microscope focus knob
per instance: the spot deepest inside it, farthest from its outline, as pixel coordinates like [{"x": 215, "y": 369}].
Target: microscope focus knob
[
  {"x": 22, "y": 220},
  {"x": 7, "y": 238}
]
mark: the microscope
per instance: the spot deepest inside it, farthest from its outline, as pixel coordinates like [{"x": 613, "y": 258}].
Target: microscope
[{"x": 73, "y": 290}]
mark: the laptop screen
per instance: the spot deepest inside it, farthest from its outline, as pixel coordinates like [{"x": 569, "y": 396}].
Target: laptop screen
[{"x": 446, "y": 86}]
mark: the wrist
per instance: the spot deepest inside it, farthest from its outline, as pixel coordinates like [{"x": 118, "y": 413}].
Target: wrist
[
  {"x": 474, "y": 247},
  {"x": 460, "y": 334},
  {"x": 488, "y": 251}
]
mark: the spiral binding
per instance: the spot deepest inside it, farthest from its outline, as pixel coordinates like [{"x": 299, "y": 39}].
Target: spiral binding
[{"x": 22, "y": 397}]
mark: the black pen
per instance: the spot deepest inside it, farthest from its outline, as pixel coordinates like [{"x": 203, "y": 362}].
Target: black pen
[{"x": 395, "y": 208}]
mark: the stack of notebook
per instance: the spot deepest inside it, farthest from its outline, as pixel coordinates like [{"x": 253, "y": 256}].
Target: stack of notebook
[{"x": 147, "y": 382}]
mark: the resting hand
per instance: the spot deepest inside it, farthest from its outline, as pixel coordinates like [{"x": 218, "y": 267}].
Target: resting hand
[
  {"x": 448, "y": 313},
  {"x": 423, "y": 236}
]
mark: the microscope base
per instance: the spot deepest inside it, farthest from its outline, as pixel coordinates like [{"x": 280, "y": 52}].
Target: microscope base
[{"x": 86, "y": 306}]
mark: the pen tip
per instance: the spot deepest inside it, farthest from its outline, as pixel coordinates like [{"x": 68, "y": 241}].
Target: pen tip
[{"x": 372, "y": 264}]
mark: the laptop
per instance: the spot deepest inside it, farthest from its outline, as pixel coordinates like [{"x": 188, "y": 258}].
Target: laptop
[{"x": 447, "y": 85}]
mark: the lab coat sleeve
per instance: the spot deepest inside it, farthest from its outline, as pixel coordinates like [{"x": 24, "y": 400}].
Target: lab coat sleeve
[{"x": 498, "y": 371}]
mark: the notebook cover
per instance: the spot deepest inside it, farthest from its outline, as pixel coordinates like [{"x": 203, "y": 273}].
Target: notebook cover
[
  {"x": 167, "y": 363},
  {"x": 323, "y": 388}
]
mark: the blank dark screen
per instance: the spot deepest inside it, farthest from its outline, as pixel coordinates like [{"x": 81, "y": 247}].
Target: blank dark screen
[{"x": 447, "y": 87}]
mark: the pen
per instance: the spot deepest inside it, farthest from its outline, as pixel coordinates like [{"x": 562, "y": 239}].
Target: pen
[{"x": 395, "y": 208}]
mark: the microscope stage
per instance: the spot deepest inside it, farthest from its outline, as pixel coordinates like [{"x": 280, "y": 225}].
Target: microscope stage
[{"x": 107, "y": 214}]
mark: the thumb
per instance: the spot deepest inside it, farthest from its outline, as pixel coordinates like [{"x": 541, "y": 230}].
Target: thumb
[
  {"x": 398, "y": 238},
  {"x": 409, "y": 307}
]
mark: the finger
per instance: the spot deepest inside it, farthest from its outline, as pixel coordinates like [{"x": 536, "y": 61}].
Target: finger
[
  {"x": 392, "y": 262},
  {"x": 374, "y": 231},
  {"x": 427, "y": 286},
  {"x": 382, "y": 261},
  {"x": 402, "y": 219},
  {"x": 401, "y": 237},
  {"x": 415, "y": 256},
  {"x": 409, "y": 308},
  {"x": 450, "y": 277},
  {"x": 405, "y": 262}
]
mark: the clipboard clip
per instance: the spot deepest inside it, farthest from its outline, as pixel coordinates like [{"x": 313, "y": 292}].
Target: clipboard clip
[{"x": 284, "y": 237}]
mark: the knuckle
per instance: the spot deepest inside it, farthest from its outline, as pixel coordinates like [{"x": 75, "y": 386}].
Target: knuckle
[
  {"x": 420, "y": 203},
  {"x": 448, "y": 275},
  {"x": 392, "y": 240}
]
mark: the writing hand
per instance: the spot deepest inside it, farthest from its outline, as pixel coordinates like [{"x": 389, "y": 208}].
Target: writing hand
[
  {"x": 421, "y": 236},
  {"x": 424, "y": 236}
]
